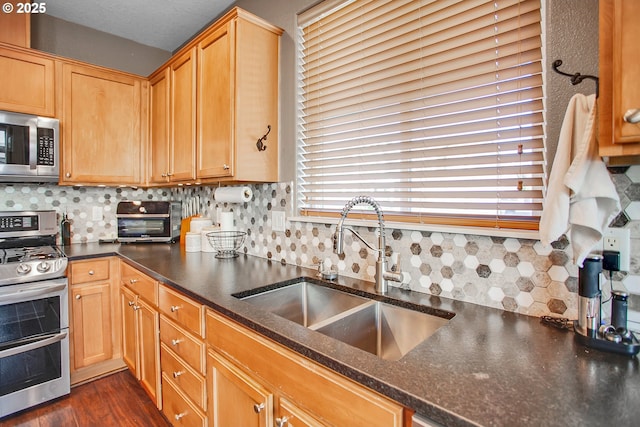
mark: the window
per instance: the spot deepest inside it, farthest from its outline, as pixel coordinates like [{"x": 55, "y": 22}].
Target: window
[{"x": 434, "y": 108}]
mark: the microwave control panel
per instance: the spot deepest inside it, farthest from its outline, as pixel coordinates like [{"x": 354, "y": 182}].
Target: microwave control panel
[{"x": 46, "y": 149}]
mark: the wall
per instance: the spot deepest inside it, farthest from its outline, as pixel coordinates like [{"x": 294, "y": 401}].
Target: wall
[{"x": 75, "y": 41}]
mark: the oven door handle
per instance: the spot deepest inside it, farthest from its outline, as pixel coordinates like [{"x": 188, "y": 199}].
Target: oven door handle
[
  {"x": 48, "y": 340},
  {"x": 29, "y": 294}
]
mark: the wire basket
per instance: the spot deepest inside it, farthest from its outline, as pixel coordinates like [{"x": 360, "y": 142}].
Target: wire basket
[{"x": 226, "y": 243}]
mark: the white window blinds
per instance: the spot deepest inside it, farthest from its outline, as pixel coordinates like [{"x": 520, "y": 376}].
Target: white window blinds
[{"x": 434, "y": 108}]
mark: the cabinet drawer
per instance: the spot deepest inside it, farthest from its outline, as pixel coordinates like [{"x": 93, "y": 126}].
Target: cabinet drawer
[
  {"x": 139, "y": 283},
  {"x": 182, "y": 375},
  {"x": 89, "y": 271},
  {"x": 178, "y": 410},
  {"x": 182, "y": 310},
  {"x": 181, "y": 342}
]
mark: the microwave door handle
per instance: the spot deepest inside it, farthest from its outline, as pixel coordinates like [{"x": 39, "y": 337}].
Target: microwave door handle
[
  {"x": 33, "y": 144},
  {"x": 50, "y": 339},
  {"x": 19, "y": 296}
]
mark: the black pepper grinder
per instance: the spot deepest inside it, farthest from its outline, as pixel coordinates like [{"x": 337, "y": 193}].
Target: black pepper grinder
[
  {"x": 619, "y": 306},
  {"x": 65, "y": 230}
]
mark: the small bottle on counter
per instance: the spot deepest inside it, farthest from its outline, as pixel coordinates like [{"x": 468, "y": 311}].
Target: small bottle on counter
[{"x": 65, "y": 230}]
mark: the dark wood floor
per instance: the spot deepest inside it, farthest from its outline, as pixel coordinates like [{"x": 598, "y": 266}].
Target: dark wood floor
[{"x": 116, "y": 400}]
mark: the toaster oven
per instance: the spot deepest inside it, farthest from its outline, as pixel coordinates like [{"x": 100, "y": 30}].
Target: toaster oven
[{"x": 148, "y": 221}]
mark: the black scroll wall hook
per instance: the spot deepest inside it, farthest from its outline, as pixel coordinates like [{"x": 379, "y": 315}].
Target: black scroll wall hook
[
  {"x": 260, "y": 144},
  {"x": 576, "y": 78}
]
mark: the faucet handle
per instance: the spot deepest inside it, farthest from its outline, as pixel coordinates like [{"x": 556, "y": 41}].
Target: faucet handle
[{"x": 397, "y": 268}]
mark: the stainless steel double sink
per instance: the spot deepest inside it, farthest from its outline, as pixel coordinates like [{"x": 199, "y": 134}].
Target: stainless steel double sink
[{"x": 381, "y": 328}]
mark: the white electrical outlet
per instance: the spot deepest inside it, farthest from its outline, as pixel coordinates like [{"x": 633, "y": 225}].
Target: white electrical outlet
[
  {"x": 618, "y": 239},
  {"x": 96, "y": 213},
  {"x": 277, "y": 221}
]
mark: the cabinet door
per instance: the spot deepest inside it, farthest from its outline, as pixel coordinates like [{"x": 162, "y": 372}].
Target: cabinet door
[
  {"x": 15, "y": 28},
  {"x": 101, "y": 118},
  {"x": 27, "y": 83},
  {"x": 149, "y": 349},
  {"x": 216, "y": 87},
  {"x": 183, "y": 117},
  {"x": 91, "y": 314},
  {"x": 159, "y": 118},
  {"x": 129, "y": 330},
  {"x": 236, "y": 399},
  {"x": 619, "y": 65}
]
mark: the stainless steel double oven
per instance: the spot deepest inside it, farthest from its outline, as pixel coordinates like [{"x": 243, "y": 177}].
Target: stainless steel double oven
[{"x": 34, "y": 312}]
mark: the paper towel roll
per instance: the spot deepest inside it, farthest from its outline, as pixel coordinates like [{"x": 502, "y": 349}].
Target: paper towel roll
[
  {"x": 226, "y": 221},
  {"x": 198, "y": 223},
  {"x": 232, "y": 194}
]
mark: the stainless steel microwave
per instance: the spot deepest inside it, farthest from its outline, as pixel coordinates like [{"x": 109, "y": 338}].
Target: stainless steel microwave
[{"x": 29, "y": 148}]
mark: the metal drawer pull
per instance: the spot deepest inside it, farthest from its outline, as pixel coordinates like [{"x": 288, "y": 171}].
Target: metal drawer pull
[
  {"x": 282, "y": 422},
  {"x": 91, "y": 272},
  {"x": 136, "y": 307},
  {"x": 131, "y": 303},
  {"x": 78, "y": 296},
  {"x": 257, "y": 408},
  {"x": 176, "y": 374},
  {"x": 180, "y": 415},
  {"x": 132, "y": 281},
  {"x": 175, "y": 342},
  {"x": 632, "y": 115},
  {"x": 175, "y": 308}
]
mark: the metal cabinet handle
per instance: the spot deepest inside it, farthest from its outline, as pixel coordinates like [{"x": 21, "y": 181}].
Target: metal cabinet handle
[
  {"x": 226, "y": 167},
  {"x": 175, "y": 342},
  {"x": 282, "y": 422},
  {"x": 180, "y": 415},
  {"x": 632, "y": 116},
  {"x": 175, "y": 308},
  {"x": 131, "y": 303},
  {"x": 78, "y": 296},
  {"x": 133, "y": 281},
  {"x": 257, "y": 408},
  {"x": 164, "y": 175},
  {"x": 91, "y": 272},
  {"x": 136, "y": 307},
  {"x": 176, "y": 374},
  {"x": 169, "y": 174},
  {"x": 67, "y": 175}
]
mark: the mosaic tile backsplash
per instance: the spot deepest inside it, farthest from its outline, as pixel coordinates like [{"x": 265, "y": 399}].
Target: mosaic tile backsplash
[{"x": 512, "y": 274}]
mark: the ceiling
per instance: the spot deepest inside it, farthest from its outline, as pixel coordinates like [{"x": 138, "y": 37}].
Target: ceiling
[{"x": 164, "y": 24}]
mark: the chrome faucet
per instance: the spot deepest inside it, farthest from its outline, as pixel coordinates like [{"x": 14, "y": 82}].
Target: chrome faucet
[{"x": 382, "y": 275}]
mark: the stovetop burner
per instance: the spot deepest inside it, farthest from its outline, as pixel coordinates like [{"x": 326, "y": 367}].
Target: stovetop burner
[{"x": 29, "y": 254}]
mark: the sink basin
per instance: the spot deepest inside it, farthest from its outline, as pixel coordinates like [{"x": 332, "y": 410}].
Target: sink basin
[
  {"x": 380, "y": 328},
  {"x": 306, "y": 303},
  {"x": 386, "y": 330}
]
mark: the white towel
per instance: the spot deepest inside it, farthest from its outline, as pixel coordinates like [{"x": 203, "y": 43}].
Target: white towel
[{"x": 581, "y": 196}]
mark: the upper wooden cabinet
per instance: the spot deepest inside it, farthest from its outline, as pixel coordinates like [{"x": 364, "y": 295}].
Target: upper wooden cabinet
[
  {"x": 15, "y": 28},
  {"x": 619, "y": 82},
  {"x": 27, "y": 81},
  {"x": 218, "y": 96},
  {"x": 172, "y": 136},
  {"x": 102, "y": 115},
  {"x": 238, "y": 99}
]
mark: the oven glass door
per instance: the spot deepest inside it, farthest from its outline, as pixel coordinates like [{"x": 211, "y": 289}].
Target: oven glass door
[
  {"x": 144, "y": 227},
  {"x": 34, "y": 343}
]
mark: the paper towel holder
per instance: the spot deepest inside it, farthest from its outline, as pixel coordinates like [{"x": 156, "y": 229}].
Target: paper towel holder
[{"x": 260, "y": 144}]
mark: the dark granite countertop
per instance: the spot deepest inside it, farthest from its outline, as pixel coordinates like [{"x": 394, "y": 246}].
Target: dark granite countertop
[{"x": 485, "y": 367}]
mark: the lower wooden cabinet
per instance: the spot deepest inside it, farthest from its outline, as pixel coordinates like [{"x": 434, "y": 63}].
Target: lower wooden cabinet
[
  {"x": 141, "y": 336},
  {"x": 255, "y": 381},
  {"x": 95, "y": 348},
  {"x": 236, "y": 399},
  {"x": 178, "y": 409}
]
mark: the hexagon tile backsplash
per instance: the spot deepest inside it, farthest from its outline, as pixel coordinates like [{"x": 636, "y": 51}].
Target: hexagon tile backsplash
[{"x": 517, "y": 275}]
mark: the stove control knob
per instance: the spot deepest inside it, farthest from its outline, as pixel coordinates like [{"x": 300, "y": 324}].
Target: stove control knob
[
  {"x": 43, "y": 267},
  {"x": 23, "y": 269}
]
